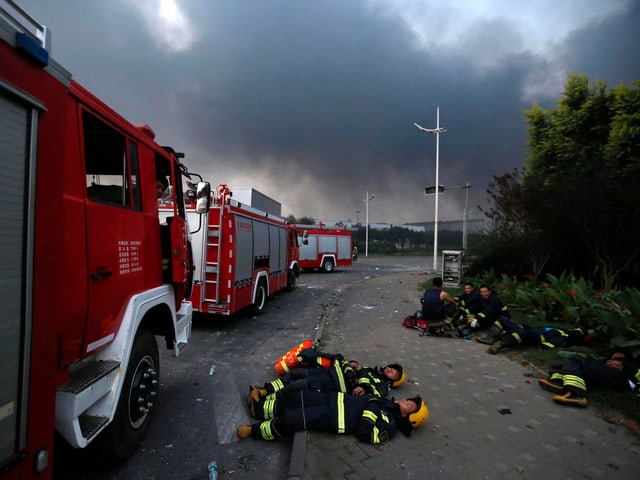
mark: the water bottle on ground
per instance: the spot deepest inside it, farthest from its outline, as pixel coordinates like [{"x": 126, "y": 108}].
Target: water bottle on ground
[{"x": 212, "y": 468}]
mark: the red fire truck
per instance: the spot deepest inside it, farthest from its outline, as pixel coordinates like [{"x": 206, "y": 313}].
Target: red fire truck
[
  {"x": 89, "y": 273},
  {"x": 324, "y": 248},
  {"x": 241, "y": 255}
]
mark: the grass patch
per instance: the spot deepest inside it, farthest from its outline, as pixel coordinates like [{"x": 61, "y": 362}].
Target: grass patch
[{"x": 621, "y": 408}]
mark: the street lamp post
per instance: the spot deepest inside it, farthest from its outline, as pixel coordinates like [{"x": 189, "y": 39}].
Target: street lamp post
[
  {"x": 465, "y": 222},
  {"x": 367, "y": 199},
  {"x": 437, "y": 132}
]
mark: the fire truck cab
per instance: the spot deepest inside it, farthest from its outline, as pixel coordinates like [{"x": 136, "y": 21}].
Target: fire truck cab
[{"x": 89, "y": 274}]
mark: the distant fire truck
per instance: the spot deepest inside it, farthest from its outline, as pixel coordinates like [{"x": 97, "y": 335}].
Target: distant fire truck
[
  {"x": 324, "y": 248},
  {"x": 90, "y": 274},
  {"x": 241, "y": 255}
]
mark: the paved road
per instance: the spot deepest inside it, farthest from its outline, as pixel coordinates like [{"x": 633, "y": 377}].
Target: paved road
[{"x": 199, "y": 410}]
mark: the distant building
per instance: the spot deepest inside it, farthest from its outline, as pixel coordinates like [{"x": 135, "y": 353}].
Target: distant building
[{"x": 474, "y": 225}]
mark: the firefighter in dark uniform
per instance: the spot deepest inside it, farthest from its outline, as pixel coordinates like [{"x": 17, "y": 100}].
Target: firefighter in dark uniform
[
  {"x": 372, "y": 419},
  {"x": 491, "y": 310},
  {"x": 570, "y": 380},
  {"x": 469, "y": 302},
  {"x": 339, "y": 377},
  {"x": 546, "y": 337},
  {"x": 377, "y": 381}
]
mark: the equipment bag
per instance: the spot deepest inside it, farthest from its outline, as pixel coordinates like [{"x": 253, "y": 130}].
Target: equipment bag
[{"x": 427, "y": 328}]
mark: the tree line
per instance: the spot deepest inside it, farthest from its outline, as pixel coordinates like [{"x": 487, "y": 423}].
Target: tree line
[{"x": 572, "y": 206}]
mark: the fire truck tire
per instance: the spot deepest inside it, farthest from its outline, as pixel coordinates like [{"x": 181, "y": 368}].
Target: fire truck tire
[
  {"x": 260, "y": 298},
  {"x": 327, "y": 265},
  {"x": 138, "y": 395},
  {"x": 291, "y": 279}
]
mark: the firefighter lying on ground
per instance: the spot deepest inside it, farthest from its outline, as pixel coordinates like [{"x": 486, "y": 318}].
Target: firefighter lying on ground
[
  {"x": 372, "y": 419},
  {"x": 570, "y": 380},
  {"x": 305, "y": 355},
  {"x": 506, "y": 333},
  {"x": 341, "y": 376}
]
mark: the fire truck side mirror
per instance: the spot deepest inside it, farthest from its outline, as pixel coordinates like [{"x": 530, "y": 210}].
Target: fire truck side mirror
[
  {"x": 305, "y": 238},
  {"x": 203, "y": 197}
]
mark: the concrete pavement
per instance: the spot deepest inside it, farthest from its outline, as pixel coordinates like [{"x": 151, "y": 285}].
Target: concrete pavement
[{"x": 468, "y": 435}]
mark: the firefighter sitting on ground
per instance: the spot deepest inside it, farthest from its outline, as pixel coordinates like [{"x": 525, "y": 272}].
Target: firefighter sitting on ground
[
  {"x": 491, "y": 309},
  {"x": 506, "y": 333},
  {"x": 437, "y": 304},
  {"x": 372, "y": 419},
  {"x": 469, "y": 303},
  {"x": 570, "y": 380}
]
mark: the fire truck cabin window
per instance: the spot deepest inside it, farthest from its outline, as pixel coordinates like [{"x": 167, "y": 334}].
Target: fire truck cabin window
[{"x": 111, "y": 163}]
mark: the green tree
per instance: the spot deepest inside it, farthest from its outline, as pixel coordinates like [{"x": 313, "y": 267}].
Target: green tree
[
  {"x": 515, "y": 240},
  {"x": 583, "y": 169}
]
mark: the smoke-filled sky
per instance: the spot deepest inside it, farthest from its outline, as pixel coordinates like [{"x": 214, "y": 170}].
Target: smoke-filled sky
[{"x": 313, "y": 103}]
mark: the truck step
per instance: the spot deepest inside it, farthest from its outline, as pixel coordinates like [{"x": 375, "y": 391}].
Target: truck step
[
  {"x": 90, "y": 425},
  {"x": 86, "y": 376}
]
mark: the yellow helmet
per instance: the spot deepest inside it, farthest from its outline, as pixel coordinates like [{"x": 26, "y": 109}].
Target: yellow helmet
[
  {"x": 403, "y": 375},
  {"x": 421, "y": 415}
]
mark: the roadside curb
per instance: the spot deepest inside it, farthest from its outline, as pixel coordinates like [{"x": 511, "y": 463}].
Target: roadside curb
[{"x": 299, "y": 445}]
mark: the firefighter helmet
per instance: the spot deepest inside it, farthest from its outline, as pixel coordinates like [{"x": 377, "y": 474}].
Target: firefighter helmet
[
  {"x": 403, "y": 374},
  {"x": 421, "y": 415}
]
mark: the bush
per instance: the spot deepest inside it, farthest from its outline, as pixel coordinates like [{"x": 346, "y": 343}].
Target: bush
[{"x": 612, "y": 316}]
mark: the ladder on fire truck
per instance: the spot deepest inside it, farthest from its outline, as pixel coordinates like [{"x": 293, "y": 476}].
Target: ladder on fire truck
[
  {"x": 21, "y": 19},
  {"x": 214, "y": 243}
]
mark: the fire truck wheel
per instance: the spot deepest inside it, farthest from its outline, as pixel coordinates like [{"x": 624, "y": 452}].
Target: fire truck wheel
[
  {"x": 327, "y": 265},
  {"x": 137, "y": 398},
  {"x": 260, "y": 298},
  {"x": 291, "y": 280}
]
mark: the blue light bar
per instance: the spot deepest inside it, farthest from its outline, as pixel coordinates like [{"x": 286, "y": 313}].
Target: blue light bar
[{"x": 31, "y": 47}]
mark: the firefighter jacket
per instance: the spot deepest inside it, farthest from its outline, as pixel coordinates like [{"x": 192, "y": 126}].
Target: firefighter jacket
[
  {"x": 491, "y": 309},
  {"x": 373, "y": 381},
  {"x": 469, "y": 303}
]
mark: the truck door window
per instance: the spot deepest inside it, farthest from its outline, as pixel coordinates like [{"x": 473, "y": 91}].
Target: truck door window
[{"x": 111, "y": 167}]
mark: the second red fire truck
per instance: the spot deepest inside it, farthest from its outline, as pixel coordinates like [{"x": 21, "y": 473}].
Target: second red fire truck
[
  {"x": 241, "y": 255},
  {"x": 324, "y": 248}
]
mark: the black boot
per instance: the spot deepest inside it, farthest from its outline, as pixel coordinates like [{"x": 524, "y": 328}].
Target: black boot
[{"x": 493, "y": 334}]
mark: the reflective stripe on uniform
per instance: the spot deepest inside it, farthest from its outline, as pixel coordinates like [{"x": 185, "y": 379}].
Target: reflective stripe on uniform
[
  {"x": 375, "y": 436},
  {"x": 516, "y": 336},
  {"x": 341, "y": 420},
  {"x": 556, "y": 376},
  {"x": 574, "y": 381},
  {"x": 368, "y": 414},
  {"x": 277, "y": 384},
  {"x": 269, "y": 407},
  {"x": 544, "y": 343},
  {"x": 266, "y": 431},
  {"x": 341, "y": 385}
]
